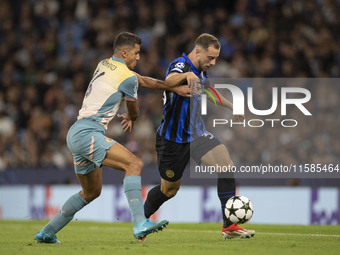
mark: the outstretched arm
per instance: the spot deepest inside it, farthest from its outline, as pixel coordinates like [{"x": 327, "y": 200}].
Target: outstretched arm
[
  {"x": 177, "y": 79},
  {"x": 228, "y": 104},
  {"x": 155, "y": 84},
  {"x": 225, "y": 102},
  {"x": 150, "y": 83}
]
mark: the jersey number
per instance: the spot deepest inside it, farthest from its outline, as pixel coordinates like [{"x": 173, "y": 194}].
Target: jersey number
[{"x": 95, "y": 76}]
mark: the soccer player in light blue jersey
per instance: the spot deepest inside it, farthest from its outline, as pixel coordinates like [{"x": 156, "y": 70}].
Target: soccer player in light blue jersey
[{"x": 112, "y": 82}]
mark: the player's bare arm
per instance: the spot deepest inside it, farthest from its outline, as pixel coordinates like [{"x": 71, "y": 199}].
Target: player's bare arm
[
  {"x": 183, "y": 90},
  {"x": 225, "y": 102},
  {"x": 229, "y": 105},
  {"x": 177, "y": 79},
  {"x": 155, "y": 84}
]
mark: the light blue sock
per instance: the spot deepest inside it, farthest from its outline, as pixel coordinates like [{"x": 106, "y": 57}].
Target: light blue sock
[
  {"x": 65, "y": 214},
  {"x": 133, "y": 192}
]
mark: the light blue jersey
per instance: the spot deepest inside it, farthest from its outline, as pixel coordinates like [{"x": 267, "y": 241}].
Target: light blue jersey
[{"x": 112, "y": 83}]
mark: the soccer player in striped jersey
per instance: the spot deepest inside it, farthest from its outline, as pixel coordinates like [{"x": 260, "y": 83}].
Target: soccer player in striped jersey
[
  {"x": 182, "y": 134},
  {"x": 112, "y": 82}
]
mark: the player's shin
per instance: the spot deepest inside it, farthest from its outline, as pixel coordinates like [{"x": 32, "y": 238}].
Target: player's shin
[
  {"x": 154, "y": 200},
  {"x": 65, "y": 214},
  {"x": 225, "y": 190},
  {"x": 132, "y": 189}
]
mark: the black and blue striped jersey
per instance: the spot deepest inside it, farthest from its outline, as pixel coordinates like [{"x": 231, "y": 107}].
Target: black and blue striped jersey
[{"x": 182, "y": 122}]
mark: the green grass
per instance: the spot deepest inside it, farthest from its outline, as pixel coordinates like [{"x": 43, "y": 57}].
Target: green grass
[{"x": 16, "y": 237}]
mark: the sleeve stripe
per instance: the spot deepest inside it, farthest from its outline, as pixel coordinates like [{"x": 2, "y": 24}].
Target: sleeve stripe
[{"x": 177, "y": 69}]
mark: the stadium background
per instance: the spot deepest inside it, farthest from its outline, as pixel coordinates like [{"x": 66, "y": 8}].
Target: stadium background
[{"x": 49, "y": 49}]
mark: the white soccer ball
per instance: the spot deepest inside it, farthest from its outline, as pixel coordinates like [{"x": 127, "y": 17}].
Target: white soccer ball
[{"x": 239, "y": 209}]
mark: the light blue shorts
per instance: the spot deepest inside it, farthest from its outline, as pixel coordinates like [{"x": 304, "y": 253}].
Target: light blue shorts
[{"x": 87, "y": 141}]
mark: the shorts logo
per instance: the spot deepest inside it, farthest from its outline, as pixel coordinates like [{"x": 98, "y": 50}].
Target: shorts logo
[
  {"x": 109, "y": 140},
  {"x": 169, "y": 173}
]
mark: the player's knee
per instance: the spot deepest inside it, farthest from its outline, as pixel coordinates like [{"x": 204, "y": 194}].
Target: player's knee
[
  {"x": 135, "y": 167},
  {"x": 139, "y": 164},
  {"x": 93, "y": 194},
  {"x": 171, "y": 192},
  {"x": 96, "y": 193}
]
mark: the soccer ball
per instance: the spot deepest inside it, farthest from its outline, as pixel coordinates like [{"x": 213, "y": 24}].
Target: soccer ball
[{"x": 238, "y": 209}]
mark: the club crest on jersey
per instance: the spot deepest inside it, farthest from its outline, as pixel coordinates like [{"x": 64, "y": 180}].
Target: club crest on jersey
[{"x": 169, "y": 173}]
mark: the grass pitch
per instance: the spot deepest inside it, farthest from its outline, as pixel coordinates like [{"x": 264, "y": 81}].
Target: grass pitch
[{"x": 16, "y": 237}]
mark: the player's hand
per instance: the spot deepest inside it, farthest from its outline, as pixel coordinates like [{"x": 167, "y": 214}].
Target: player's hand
[
  {"x": 240, "y": 118},
  {"x": 191, "y": 77},
  {"x": 183, "y": 90},
  {"x": 126, "y": 123},
  {"x": 194, "y": 83}
]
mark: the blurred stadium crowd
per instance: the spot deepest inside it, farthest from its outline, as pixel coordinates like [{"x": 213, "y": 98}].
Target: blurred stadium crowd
[{"x": 49, "y": 50}]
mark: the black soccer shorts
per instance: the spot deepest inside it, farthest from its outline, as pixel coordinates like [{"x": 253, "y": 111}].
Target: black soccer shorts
[{"x": 173, "y": 157}]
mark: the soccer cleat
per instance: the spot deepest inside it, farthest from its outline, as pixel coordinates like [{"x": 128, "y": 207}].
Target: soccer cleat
[
  {"x": 235, "y": 230},
  {"x": 147, "y": 227},
  {"x": 42, "y": 237}
]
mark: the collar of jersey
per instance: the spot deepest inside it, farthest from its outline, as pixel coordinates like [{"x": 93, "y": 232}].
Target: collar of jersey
[
  {"x": 192, "y": 65},
  {"x": 118, "y": 60}
]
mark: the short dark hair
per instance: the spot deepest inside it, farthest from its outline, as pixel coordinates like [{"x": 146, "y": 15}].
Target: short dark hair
[
  {"x": 205, "y": 40},
  {"x": 126, "y": 39}
]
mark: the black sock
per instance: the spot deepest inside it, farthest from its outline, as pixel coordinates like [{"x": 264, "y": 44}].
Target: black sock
[
  {"x": 154, "y": 200},
  {"x": 225, "y": 190}
]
